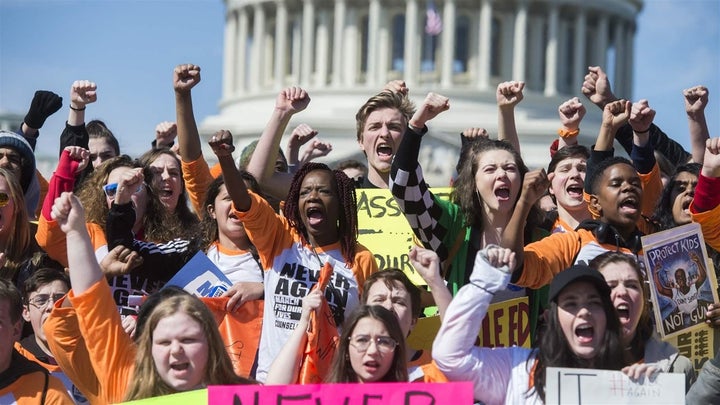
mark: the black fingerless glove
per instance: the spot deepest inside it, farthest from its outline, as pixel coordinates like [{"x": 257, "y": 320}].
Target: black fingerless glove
[{"x": 44, "y": 104}]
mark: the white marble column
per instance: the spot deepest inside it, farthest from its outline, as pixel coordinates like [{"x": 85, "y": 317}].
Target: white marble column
[
  {"x": 308, "y": 42},
  {"x": 630, "y": 51},
  {"x": 412, "y": 56},
  {"x": 384, "y": 49},
  {"x": 619, "y": 38},
  {"x": 448, "y": 44},
  {"x": 520, "y": 41},
  {"x": 372, "y": 51},
  {"x": 323, "y": 49},
  {"x": 338, "y": 31},
  {"x": 241, "y": 57},
  {"x": 257, "y": 68},
  {"x": 296, "y": 51},
  {"x": 551, "y": 52},
  {"x": 564, "y": 59},
  {"x": 281, "y": 36},
  {"x": 579, "y": 62},
  {"x": 601, "y": 43},
  {"x": 350, "y": 48},
  {"x": 536, "y": 50},
  {"x": 484, "y": 42},
  {"x": 229, "y": 85}
]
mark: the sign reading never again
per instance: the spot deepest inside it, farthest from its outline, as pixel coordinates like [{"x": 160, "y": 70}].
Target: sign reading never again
[{"x": 384, "y": 230}]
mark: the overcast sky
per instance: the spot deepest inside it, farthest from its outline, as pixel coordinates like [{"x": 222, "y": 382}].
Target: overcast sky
[{"x": 130, "y": 47}]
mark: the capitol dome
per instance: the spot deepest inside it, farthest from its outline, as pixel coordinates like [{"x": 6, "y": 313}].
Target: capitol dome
[{"x": 344, "y": 51}]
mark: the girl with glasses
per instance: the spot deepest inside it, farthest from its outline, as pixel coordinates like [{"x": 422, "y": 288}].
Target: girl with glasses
[{"x": 371, "y": 348}]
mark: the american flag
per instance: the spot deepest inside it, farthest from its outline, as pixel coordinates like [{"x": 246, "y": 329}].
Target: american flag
[{"x": 433, "y": 23}]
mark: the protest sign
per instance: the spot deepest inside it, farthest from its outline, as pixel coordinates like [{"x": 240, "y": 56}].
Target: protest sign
[
  {"x": 698, "y": 344},
  {"x": 200, "y": 277},
  {"x": 346, "y": 394},
  {"x": 384, "y": 230},
  {"x": 682, "y": 279},
  {"x": 506, "y": 324},
  {"x": 188, "y": 397},
  {"x": 588, "y": 386}
]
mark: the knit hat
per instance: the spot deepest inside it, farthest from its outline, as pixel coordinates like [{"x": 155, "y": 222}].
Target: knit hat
[
  {"x": 21, "y": 146},
  {"x": 575, "y": 273}
]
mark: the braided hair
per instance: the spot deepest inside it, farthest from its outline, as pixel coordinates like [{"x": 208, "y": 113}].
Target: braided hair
[{"x": 347, "y": 215}]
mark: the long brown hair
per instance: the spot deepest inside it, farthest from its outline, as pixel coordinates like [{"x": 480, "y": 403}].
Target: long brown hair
[
  {"x": 155, "y": 222},
  {"x": 341, "y": 370},
  {"x": 18, "y": 246},
  {"x": 146, "y": 382}
]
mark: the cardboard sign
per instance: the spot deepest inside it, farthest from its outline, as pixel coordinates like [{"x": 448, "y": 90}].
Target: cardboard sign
[
  {"x": 682, "y": 279},
  {"x": 384, "y": 230},
  {"x": 697, "y": 344},
  {"x": 200, "y": 277},
  {"x": 189, "y": 397},
  {"x": 588, "y": 386},
  {"x": 506, "y": 324},
  {"x": 346, "y": 394}
]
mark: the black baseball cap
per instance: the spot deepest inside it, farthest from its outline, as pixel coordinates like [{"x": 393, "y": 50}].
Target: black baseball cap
[{"x": 578, "y": 272}]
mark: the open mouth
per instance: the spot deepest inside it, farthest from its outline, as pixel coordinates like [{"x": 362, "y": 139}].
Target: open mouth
[
  {"x": 384, "y": 150},
  {"x": 686, "y": 205},
  {"x": 575, "y": 191},
  {"x": 371, "y": 366},
  {"x": 623, "y": 311},
  {"x": 165, "y": 192},
  {"x": 314, "y": 215},
  {"x": 585, "y": 333},
  {"x": 502, "y": 193},
  {"x": 180, "y": 366},
  {"x": 629, "y": 205}
]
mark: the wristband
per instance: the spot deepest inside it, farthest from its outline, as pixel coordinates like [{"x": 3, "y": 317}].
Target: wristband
[
  {"x": 567, "y": 133},
  {"x": 77, "y": 109}
]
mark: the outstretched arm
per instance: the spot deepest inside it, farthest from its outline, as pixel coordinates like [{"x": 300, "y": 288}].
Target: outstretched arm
[
  {"x": 222, "y": 146},
  {"x": 508, "y": 95},
  {"x": 289, "y": 102},
  {"x": 702, "y": 272},
  {"x": 84, "y": 268},
  {"x": 696, "y": 99},
  {"x": 427, "y": 264},
  {"x": 659, "y": 285},
  {"x": 571, "y": 114},
  {"x": 185, "y": 77}
]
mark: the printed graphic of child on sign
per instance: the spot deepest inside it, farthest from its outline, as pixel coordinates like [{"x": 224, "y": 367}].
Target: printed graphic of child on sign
[{"x": 684, "y": 290}]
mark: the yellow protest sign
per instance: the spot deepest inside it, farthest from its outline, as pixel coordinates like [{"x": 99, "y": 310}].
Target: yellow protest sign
[
  {"x": 506, "y": 324},
  {"x": 698, "y": 343},
  {"x": 188, "y": 397},
  {"x": 384, "y": 230}
]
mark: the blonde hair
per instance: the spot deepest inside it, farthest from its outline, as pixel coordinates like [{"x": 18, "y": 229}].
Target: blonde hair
[{"x": 147, "y": 383}]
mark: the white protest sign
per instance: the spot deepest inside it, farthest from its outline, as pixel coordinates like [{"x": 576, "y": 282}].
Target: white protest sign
[{"x": 588, "y": 386}]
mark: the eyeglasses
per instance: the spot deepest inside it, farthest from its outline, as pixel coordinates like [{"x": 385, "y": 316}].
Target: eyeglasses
[
  {"x": 4, "y": 199},
  {"x": 111, "y": 189},
  {"x": 41, "y": 300},
  {"x": 384, "y": 344}
]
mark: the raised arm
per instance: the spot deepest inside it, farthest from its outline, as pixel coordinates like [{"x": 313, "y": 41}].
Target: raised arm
[
  {"x": 454, "y": 348},
  {"x": 165, "y": 133},
  {"x": 84, "y": 268},
  {"x": 508, "y": 95},
  {"x": 286, "y": 366},
  {"x": 185, "y": 77},
  {"x": 299, "y": 136},
  {"x": 696, "y": 99},
  {"x": 289, "y": 102},
  {"x": 222, "y": 146},
  {"x": 702, "y": 272},
  {"x": 44, "y": 104},
  {"x": 571, "y": 114},
  {"x": 615, "y": 115},
  {"x": 662, "y": 289},
  {"x": 596, "y": 87},
  {"x": 427, "y": 264}
]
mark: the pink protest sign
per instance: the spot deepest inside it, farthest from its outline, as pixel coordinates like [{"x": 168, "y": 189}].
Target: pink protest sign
[{"x": 457, "y": 393}]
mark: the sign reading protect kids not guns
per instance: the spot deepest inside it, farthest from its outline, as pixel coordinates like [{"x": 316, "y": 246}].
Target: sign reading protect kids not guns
[
  {"x": 346, "y": 394},
  {"x": 384, "y": 230}
]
